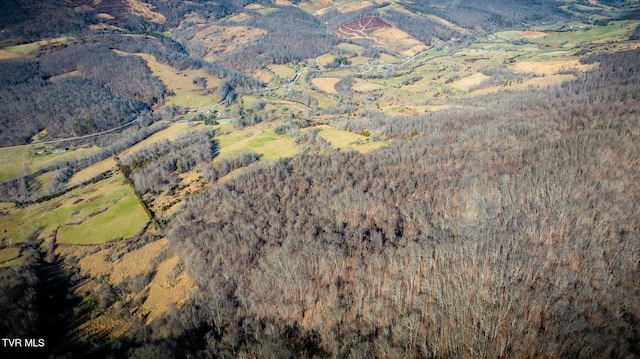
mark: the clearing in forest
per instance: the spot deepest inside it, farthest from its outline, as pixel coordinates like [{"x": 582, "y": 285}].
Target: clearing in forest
[
  {"x": 92, "y": 171},
  {"x": 550, "y": 67},
  {"x": 283, "y": 71},
  {"x": 260, "y": 138},
  {"x": 382, "y": 33},
  {"x": 122, "y": 8},
  {"x": 345, "y": 140},
  {"x": 187, "y": 93},
  {"x": 218, "y": 39}
]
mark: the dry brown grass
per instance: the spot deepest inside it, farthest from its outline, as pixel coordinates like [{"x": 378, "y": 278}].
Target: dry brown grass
[
  {"x": 65, "y": 76},
  {"x": 111, "y": 325},
  {"x": 219, "y": 39},
  {"x": 550, "y": 67},
  {"x": 243, "y": 16},
  {"x": 92, "y": 171},
  {"x": 4, "y": 54},
  {"x": 170, "y": 286},
  {"x": 470, "y": 81},
  {"x": 264, "y": 75},
  {"x": 326, "y": 84},
  {"x": 399, "y": 40},
  {"x": 365, "y": 86},
  {"x": 181, "y": 83},
  {"x": 551, "y": 80},
  {"x": 137, "y": 262},
  {"x": 145, "y": 11}
]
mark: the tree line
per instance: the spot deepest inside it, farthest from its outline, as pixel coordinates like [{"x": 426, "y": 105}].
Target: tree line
[{"x": 157, "y": 167}]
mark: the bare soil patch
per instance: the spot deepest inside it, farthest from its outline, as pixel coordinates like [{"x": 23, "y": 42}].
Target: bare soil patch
[{"x": 326, "y": 84}]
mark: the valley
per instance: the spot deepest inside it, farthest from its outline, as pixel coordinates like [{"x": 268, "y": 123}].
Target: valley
[{"x": 320, "y": 178}]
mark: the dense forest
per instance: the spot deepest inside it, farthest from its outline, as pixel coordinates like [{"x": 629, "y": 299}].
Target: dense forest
[
  {"x": 493, "y": 224},
  {"x": 73, "y": 91},
  {"x": 158, "y": 166},
  {"x": 289, "y": 33},
  {"x": 493, "y": 233}
]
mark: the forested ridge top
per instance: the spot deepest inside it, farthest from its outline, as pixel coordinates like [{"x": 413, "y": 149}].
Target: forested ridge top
[{"x": 320, "y": 179}]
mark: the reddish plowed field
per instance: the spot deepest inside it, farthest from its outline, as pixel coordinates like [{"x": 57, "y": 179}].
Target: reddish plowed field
[{"x": 362, "y": 28}]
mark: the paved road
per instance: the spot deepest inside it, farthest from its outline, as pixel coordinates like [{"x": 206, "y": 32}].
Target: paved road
[{"x": 72, "y": 138}]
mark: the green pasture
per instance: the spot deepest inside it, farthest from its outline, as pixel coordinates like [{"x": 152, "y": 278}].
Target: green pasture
[
  {"x": 10, "y": 257},
  {"x": 248, "y": 100},
  {"x": 350, "y": 47},
  {"x": 9, "y": 254},
  {"x": 617, "y": 31},
  {"x": 123, "y": 219},
  {"x": 260, "y": 139},
  {"x": 508, "y": 35},
  {"x": 345, "y": 140},
  {"x": 283, "y": 71},
  {"x": 549, "y": 56},
  {"x": 267, "y": 11},
  {"x": 14, "y": 162},
  {"x": 359, "y": 60},
  {"x": 23, "y": 160},
  {"x": 110, "y": 203},
  {"x": 26, "y": 49}
]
